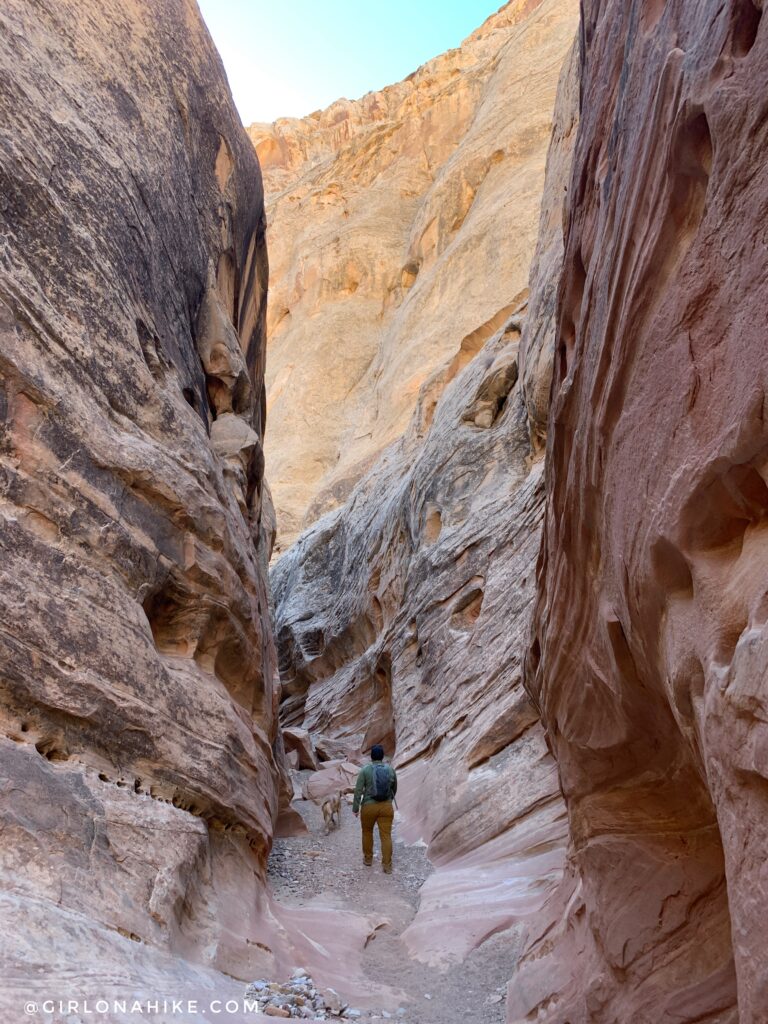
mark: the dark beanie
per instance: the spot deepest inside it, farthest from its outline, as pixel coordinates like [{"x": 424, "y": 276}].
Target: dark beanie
[{"x": 377, "y": 752}]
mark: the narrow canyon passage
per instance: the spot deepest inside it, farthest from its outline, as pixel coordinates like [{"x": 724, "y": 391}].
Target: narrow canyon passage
[
  {"x": 484, "y": 481},
  {"x": 324, "y": 870},
  {"x": 402, "y": 614}
]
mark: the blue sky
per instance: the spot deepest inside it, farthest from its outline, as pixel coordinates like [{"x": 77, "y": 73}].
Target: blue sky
[{"x": 286, "y": 58}]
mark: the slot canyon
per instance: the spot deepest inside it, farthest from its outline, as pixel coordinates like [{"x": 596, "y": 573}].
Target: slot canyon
[{"x": 433, "y": 419}]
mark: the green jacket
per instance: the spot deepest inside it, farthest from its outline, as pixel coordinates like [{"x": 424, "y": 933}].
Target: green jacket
[{"x": 364, "y": 785}]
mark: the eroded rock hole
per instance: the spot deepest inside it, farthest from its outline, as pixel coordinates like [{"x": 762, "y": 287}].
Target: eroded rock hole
[
  {"x": 690, "y": 171},
  {"x": 47, "y": 748},
  {"x": 670, "y": 567},
  {"x": 467, "y": 609},
  {"x": 382, "y": 677},
  {"x": 720, "y": 510},
  {"x": 433, "y": 524},
  {"x": 746, "y": 22},
  {"x": 622, "y": 655},
  {"x": 377, "y": 614},
  {"x": 312, "y": 644},
  {"x": 695, "y": 149},
  {"x": 224, "y": 163},
  {"x": 563, "y": 348},
  {"x": 151, "y": 350},
  {"x": 382, "y": 724},
  {"x": 168, "y": 616},
  {"x": 491, "y": 398},
  {"x": 534, "y": 657},
  {"x": 226, "y": 278},
  {"x": 572, "y": 302}
]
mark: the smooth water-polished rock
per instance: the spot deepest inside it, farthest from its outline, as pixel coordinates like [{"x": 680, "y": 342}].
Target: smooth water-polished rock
[
  {"x": 650, "y": 649},
  {"x": 138, "y": 734}
]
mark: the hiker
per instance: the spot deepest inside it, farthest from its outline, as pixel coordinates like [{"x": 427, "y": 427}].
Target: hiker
[{"x": 375, "y": 789}]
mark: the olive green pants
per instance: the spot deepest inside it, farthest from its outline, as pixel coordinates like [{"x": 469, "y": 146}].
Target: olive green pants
[{"x": 381, "y": 814}]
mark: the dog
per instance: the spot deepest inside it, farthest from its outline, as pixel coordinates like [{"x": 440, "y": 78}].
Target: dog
[{"x": 332, "y": 812}]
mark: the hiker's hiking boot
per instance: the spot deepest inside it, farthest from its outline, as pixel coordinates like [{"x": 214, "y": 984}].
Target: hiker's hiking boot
[
  {"x": 367, "y": 862},
  {"x": 387, "y": 869}
]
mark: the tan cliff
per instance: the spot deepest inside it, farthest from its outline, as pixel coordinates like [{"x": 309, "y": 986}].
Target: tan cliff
[{"x": 389, "y": 217}]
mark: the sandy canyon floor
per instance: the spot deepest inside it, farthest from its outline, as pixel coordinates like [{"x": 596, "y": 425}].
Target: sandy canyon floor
[{"x": 327, "y": 870}]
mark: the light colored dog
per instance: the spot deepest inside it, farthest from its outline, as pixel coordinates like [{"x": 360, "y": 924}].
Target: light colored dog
[{"x": 332, "y": 812}]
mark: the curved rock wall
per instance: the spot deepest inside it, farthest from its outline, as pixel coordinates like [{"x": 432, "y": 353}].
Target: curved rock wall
[
  {"x": 138, "y": 731},
  {"x": 401, "y": 618},
  {"x": 650, "y": 645},
  {"x": 402, "y": 227}
]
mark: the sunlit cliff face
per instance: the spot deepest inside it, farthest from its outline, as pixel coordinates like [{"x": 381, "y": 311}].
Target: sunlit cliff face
[{"x": 400, "y": 227}]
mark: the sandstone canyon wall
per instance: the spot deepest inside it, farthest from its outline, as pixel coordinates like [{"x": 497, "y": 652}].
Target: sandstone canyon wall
[
  {"x": 402, "y": 617},
  {"x": 649, "y": 653},
  {"x": 140, "y": 755},
  {"x": 401, "y": 230}
]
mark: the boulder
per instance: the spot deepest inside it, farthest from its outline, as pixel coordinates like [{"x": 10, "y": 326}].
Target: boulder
[
  {"x": 328, "y": 749},
  {"x": 333, "y": 777},
  {"x": 299, "y": 741}
]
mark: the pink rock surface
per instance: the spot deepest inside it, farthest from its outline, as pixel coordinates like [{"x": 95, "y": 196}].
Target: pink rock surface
[
  {"x": 498, "y": 884},
  {"x": 333, "y": 777},
  {"x": 650, "y": 648},
  {"x": 298, "y": 741},
  {"x": 328, "y": 942}
]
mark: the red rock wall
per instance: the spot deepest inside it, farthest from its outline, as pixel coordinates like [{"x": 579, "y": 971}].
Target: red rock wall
[
  {"x": 138, "y": 736},
  {"x": 650, "y": 647}
]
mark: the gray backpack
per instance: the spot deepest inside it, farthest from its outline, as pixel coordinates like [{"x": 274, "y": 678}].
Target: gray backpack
[{"x": 381, "y": 782}]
